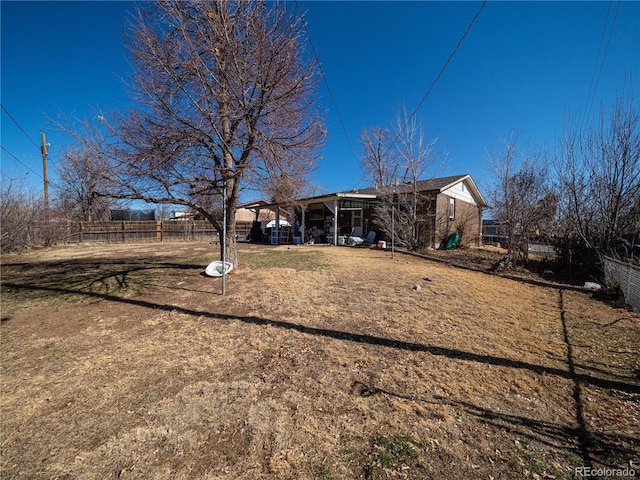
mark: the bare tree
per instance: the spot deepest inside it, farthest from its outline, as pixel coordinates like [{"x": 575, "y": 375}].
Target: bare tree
[
  {"x": 224, "y": 101},
  {"x": 598, "y": 169},
  {"x": 522, "y": 195},
  {"x": 379, "y": 163},
  {"x": 81, "y": 179},
  {"x": 20, "y": 211},
  {"x": 396, "y": 162}
]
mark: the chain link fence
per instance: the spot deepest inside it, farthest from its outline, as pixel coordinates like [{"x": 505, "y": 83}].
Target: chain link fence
[{"x": 625, "y": 276}]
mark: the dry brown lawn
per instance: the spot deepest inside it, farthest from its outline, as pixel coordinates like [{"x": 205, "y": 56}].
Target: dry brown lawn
[{"x": 320, "y": 363}]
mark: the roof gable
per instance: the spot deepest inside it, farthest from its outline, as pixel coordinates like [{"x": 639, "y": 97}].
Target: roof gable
[{"x": 435, "y": 185}]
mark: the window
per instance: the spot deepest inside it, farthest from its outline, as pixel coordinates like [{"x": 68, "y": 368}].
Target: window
[
  {"x": 316, "y": 212},
  {"x": 452, "y": 208},
  {"x": 357, "y": 218}
]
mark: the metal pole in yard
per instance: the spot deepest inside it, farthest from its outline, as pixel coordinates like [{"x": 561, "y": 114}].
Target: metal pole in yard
[
  {"x": 393, "y": 229},
  {"x": 223, "y": 240},
  {"x": 393, "y": 221}
]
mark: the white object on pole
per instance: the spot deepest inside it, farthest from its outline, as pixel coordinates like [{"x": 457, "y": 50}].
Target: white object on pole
[{"x": 216, "y": 269}]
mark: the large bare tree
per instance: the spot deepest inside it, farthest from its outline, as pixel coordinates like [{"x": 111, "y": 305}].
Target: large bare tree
[
  {"x": 81, "y": 179},
  {"x": 224, "y": 100},
  {"x": 379, "y": 163},
  {"x": 395, "y": 160},
  {"x": 522, "y": 195},
  {"x": 598, "y": 170}
]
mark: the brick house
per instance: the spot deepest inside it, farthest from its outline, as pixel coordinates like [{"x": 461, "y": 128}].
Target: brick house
[{"x": 446, "y": 205}]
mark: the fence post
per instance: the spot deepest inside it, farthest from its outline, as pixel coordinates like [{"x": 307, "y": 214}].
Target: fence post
[
  {"x": 158, "y": 230},
  {"x": 124, "y": 235},
  {"x": 627, "y": 287}
]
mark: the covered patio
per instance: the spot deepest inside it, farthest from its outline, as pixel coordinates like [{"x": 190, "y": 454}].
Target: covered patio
[{"x": 326, "y": 219}]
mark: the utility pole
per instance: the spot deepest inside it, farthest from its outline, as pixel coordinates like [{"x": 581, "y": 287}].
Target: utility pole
[{"x": 45, "y": 176}]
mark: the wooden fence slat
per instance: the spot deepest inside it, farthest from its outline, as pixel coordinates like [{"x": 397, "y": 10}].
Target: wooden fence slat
[{"x": 40, "y": 233}]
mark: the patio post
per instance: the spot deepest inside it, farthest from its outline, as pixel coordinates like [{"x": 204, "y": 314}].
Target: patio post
[
  {"x": 335, "y": 222},
  {"x": 292, "y": 224},
  {"x": 302, "y": 224}
]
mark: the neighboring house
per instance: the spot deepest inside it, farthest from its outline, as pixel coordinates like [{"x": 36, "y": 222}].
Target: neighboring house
[
  {"x": 127, "y": 215},
  {"x": 186, "y": 215},
  {"x": 495, "y": 232},
  {"x": 256, "y": 211},
  {"x": 245, "y": 212},
  {"x": 451, "y": 204}
]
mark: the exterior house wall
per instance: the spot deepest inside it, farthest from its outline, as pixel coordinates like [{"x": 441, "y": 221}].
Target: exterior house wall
[
  {"x": 466, "y": 220},
  {"x": 468, "y": 223},
  {"x": 460, "y": 191},
  {"x": 427, "y": 212},
  {"x": 433, "y": 209},
  {"x": 246, "y": 215}
]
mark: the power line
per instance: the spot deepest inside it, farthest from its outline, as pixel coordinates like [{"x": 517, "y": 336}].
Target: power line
[
  {"x": 20, "y": 161},
  {"x": 433, "y": 84},
  {"x": 326, "y": 83},
  {"x": 595, "y": 67},
  {"x": 19, "y": 126},
  {"x": 591, "y": 95},
  {"x": 54, "y": 184},
  {"x": 39, "y": 147}
]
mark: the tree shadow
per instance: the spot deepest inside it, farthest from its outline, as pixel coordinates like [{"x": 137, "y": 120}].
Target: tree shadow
[
  {"x": 582, "y": 431},
  {"x": 591, "y": 445},
  {"x": 90, "y": 275},
  {"x": 93, "y": 280},
  {"x": 602, "y": 448},
  {"x": 455, "y": 354}
]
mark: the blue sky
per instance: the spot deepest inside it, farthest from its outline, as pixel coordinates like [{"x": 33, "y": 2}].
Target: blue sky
[{"x": 522, "y": 68}]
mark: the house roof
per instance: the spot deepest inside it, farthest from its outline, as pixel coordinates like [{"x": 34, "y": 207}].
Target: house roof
[
  {"x": 439, "y": 184},
  {"x": 254, "y": 204},
  {"x": 429, "y": 185}
]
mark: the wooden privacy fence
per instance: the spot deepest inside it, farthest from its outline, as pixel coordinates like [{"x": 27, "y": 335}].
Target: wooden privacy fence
[
  {"x": 144, "y": 231},
  {"x": 627, "y": 277}
]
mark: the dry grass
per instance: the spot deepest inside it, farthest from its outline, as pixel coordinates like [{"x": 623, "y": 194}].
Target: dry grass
[{"x": 320, "y": 362}]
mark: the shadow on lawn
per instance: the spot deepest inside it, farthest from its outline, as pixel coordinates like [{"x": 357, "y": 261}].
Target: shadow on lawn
[
  {"x": 590, "y": 444},
  {"x": 570, "y": 374},
  {"x": 606, "y": 449},
  {"x": 582, "y": 431},
  {"x": 89, "y": 276}
]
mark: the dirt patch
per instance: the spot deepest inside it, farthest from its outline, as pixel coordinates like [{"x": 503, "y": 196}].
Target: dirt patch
[{"x": 320, "y": 362}]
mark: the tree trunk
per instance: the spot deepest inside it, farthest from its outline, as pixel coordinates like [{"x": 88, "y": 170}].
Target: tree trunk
[{"x": 229, "y": 242}]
